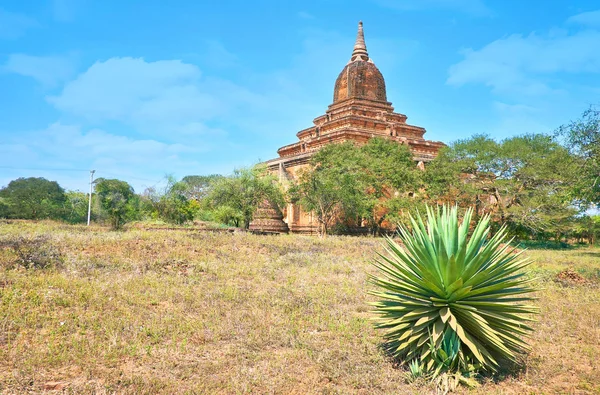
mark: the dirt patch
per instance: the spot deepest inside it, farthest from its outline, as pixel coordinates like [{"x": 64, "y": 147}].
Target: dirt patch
[
  {"x": 55, "y": 385},
  {"x": 571, "y": 277}
]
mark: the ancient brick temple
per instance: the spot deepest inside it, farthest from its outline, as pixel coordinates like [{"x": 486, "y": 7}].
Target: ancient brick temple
[{"x": 360, "y": 111}]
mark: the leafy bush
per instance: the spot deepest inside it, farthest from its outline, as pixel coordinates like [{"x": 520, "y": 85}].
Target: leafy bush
[
  {"x": 33, "y": 252},
  {"x": 235, "y": 199},
  {"x": 117, "y": 200},
  {"x": 32, "y": 198},
  {"x": 543, "y": 245},
  {"x": 76, "y": 207},
  {"x": 449, "y": 302},
  {"x": 228, "y": 215},
  {"x": 172, "y": 204}
]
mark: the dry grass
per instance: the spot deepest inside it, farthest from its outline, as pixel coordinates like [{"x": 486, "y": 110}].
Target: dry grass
[{"x": 170, "y": 311}]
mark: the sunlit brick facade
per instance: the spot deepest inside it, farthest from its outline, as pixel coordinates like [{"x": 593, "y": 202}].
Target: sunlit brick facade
[{"x": 359, "y": 111}]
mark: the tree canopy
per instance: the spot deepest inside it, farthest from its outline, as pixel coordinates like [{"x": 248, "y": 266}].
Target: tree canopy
[
  {"x": 198, "y": 187},
  {"x": 116, "y": 198},
  {"x": 33, "y": 198},
  {"x": 236, "y": 198},
  {"x": 329, "y": 188},
  {"x": 525, "y": 181},
  {"x": 357, "y": 183},
  {"x": 582, "y": 137},
  {"x": 175, "y": 203}
]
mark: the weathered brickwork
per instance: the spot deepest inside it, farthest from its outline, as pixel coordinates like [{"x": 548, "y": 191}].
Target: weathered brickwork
[
  {"x": 268, "y": 218},
  {"x": 359, "y": 112},
  {"x": 361, "y": 80}
]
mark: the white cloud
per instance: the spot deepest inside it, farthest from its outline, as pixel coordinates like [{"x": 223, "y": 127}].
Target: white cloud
[
  {"x": 538, "y": 80},
  {"x": 14, "y": 25},
  {"x": 591, "y": 18},
  {"x": 172, "y": 96},
  {"x": 70, "y": 143},
  {"x": 473, "y": 7},
  {"x": 119, "y": 87},
  {"x": 525, "y": 64},
  {"x": 146, "y": 118},
  {"x": 166, "y": 94},
  {"x": 48, "y": 70},
  {"x": 185, "y": 121},
  {"x": 65, "y": 146}
]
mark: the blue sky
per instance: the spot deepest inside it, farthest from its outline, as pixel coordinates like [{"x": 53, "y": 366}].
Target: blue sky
[{"x": 139, "y": 89}]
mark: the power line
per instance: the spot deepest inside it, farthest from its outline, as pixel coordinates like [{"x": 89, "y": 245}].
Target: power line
[
  {"x": 131, "y": 177},
  {"x": 154, "y": 183},
  {"x": 37, "y": 169},
  {"x": 78, "y": 170}
]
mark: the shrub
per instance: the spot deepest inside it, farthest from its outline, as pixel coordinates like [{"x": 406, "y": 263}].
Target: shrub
[
  {"x": 32, "y": 198},
  {"x": 117, "y": 200},
  {"x": 451, "y": 303},
  {"x": 33, "y": 252}
]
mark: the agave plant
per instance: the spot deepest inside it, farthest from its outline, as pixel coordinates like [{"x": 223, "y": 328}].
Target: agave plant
[{"x": 449, "y": 301}]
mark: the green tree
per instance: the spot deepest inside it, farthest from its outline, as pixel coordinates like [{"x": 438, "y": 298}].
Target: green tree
[
  {"x": 331, "y": 187},
  {"x": 323, "y": 193},
  {"x": 33, "y": 198},
  {"x": 594, "y": 229},
  {"x": 76, "y": 207},
  {"x": 587, "y": 227},
  {"x": 171, "y": 204},
  {"x": 117, "y": 199},
  {"x": 359, "y": 184},
  {"x": 197, "y": 192},
  {"x": 228, "y": 215},
  {"x": 534, "y": 182},
  {"x": 524, "y": 181},
  {"x": 243, "y": 192},
  {"x": 4, "y": 209},
  {"x": 444, "y": 181},
  {"x": 178, "y": 208},
  {"x": 149, "y": 200},
  {"x": 582, "y": 137},
  {"x": 389, "y": 178},
  {"x": 462, "y": 173},
  {"x": 198, "y": 187}
]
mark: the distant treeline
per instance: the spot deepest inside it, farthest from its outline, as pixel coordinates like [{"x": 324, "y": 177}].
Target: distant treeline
[
  {"x": 228, "y": 200},
  {"x": 539, "y": 186}
]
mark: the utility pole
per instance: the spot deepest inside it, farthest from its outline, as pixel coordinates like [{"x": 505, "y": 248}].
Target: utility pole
[{"x": 90, "y": 200}]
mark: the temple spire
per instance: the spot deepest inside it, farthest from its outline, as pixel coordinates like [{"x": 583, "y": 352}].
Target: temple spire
[{"x": 360, "y": 48}]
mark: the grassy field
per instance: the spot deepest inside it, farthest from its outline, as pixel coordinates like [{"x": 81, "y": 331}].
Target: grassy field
[{"x": 175, "y": 311}]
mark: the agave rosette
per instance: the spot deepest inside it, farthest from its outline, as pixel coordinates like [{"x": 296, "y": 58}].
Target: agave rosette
[{"x": 443, "y": 282}]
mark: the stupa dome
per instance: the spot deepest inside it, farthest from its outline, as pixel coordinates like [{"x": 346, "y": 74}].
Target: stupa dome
[{"x": 360, "y": 79}]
